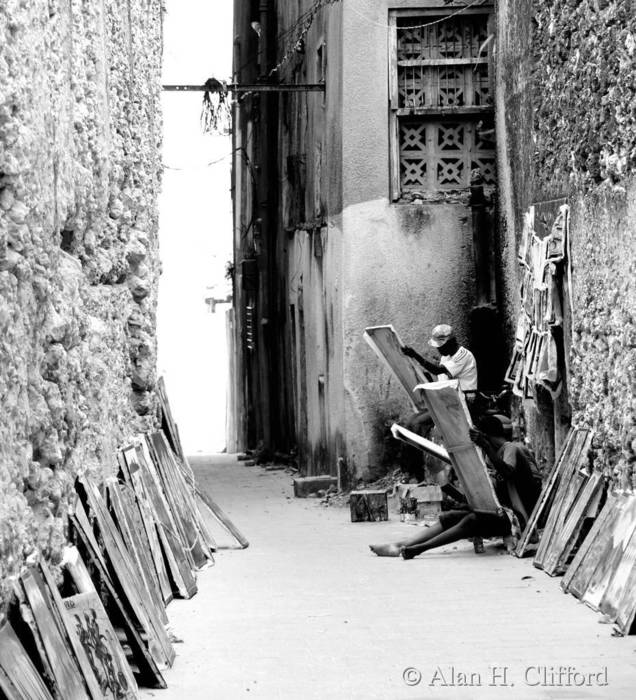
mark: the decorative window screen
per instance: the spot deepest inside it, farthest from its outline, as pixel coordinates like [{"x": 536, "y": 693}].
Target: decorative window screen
[{"x": 441, "y": 113}]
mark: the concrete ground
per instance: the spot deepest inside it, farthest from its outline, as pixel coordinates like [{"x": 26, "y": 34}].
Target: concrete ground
[{"x": 308, "y": 612}]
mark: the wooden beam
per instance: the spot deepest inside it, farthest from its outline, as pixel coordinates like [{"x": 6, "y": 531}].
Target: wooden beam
[
  {"x": 447, "y": 405},
  {"x": 253, "y": 87},
  {"x": 387, "y": 345},
  {"x": 421, "y": 443}
]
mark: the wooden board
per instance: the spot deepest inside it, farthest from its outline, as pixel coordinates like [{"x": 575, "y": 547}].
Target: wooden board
[
  {"x": 177, "y": 559},
  {"x": 387, "y": 345},
  {"x": 131, "y": 474},
  {"x": 547, "y": 492},
  {"x": 147, "y": 667},
  {"x": 19, "y": 679},
  {"x": 447, "y": 406},
  {"x": 583, "y": 550},
  {"x": 98, "y": 640},
  {"x": 368, "y": 506},
  {"x": 612, "y": 603},
  {"x": 609, "y": 560},
  {"x": 127, "y": 579},
  {"x": 67, "y": 677},
  {"x": 123, "y": 509},
  {"x": 179, "y": 498},
  {"x": 598, "y": 549},
  {"x": 168, "y": 423},
  {"x": 421, "y": 443},
  {"x": 570, "y": 527},
  {"x": 570, "y": 483},
  {"x": 95, "y": 689},
  {"x": 625, "y": 605},
  {"x": 213, "y": 508},
  {"x": 112, "y": 656}
]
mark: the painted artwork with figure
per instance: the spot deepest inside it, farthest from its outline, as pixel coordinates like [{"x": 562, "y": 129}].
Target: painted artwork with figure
[{"x": 98, "y": 638}]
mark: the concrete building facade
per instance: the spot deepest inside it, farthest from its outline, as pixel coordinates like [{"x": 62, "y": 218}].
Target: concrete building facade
[
  {"x": 79, "y": 178},
  {"x": 361, "y": 225}
]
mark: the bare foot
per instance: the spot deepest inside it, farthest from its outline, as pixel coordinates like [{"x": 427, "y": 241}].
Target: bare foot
[
  {"x": 385, "y": 550},
  {"x": 407, "y": 553}
]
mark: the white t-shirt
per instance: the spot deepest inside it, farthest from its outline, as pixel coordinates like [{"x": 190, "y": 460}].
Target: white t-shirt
[{"x": 462, "y": 366}]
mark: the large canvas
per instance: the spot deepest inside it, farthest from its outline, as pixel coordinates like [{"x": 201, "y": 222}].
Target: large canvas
[
  {"x": 448, "y": 407},
  {"x": 87, "y": 618},
  {"x": 387, "y": 345}
]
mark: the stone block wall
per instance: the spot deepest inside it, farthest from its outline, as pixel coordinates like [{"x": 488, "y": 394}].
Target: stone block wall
[
  {"x": 567, "y": 119},
  {"x": 79, "y": 177},
  {"x": 585, "y": 126}
]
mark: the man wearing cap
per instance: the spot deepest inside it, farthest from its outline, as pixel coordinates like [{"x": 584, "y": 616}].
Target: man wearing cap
[{"x": 456, "y": 361}]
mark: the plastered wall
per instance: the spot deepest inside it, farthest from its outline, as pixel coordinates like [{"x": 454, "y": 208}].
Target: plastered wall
[{"x": 79, "y": 178}]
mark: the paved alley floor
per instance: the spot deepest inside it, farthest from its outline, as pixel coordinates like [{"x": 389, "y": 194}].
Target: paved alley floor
[{"x": 308, "y": 612}]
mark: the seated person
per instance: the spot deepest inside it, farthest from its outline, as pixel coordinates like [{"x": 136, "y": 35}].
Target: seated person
[
  {"x": 518, "y": 489},
  {"x": 456, "y": 362}
]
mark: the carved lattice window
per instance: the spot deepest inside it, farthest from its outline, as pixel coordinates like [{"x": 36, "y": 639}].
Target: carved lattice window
[{"x": 441, "y": 113}]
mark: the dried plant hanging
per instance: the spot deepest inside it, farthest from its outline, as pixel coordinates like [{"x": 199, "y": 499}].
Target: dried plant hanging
[{"x": 216, "y": 111}]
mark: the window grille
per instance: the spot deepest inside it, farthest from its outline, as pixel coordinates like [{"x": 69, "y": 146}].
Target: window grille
[{"x": 441, "y": 113}]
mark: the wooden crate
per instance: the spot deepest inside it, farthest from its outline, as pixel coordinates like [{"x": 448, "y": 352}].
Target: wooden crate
[{"x": 368, "y": 506}]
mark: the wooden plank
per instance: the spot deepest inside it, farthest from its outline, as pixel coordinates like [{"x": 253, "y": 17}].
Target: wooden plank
[
  {"x": 131, "y": 473},
  {"x": 83, "y": 660},
  {"x": 19, "y": 679},
  {"x": 415, "y": 440},
  {"x": 98, "y": 639},
  {"x": 447, "y": 406},
  {"x": 620, "y": 536},
  {"x": 111, "y": 663},
  {"x": 221, "y": 516},
  {"x": 595, "y": 554},
  {"x": 569, "y": 484},
  {"x": 408, "y": 62},
  {"x": 179, "y": 497},
  {"x": 386, "y": 344},
  {"x": 368, "y": 506},
  {"x": 148, "y": 669},
  {"x": 128, "y": 580},
  {"x": 582, "y": 553},
  {"x": 549, "y": 487},
  {"x": 169, "y": 424},
  {"x": 612, "y": 603},
  {"x": 131, "y": 529},
  {"x": 66, "y": 676},
  {"x": 179, "y": 563},
  {"x": 567, "y": 534},
  {"x": 626, "y": 598},
  {"x": 443, "y": 111}
]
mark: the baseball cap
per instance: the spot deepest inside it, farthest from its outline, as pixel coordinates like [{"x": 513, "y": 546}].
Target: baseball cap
[{"x": 441, "y": 334}]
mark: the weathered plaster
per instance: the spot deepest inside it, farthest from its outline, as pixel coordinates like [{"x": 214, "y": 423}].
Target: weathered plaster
[{"x": 409, "y": 265}]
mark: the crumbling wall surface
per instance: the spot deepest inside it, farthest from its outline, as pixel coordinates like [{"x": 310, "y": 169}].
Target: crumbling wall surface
[
  {"x": 584, "y": 124},
  {"x": 584, "y": 92},
  {"x": 603, "y": 358},
  {"x": 79, "y": 178}
]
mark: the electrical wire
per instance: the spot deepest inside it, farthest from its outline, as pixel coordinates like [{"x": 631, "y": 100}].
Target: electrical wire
[{"x": 420, "y": 26}]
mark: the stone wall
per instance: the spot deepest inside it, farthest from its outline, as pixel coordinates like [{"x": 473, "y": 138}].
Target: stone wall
[
  {"x": 567, "y": 118},
  {"x": 79, "y": 177}
]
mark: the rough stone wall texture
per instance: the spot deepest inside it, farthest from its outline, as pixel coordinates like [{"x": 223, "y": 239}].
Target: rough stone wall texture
[
  {"x": 566, "y": 124},
  {"x": 585, "y": 126},
  {"x": 79, "y": 178}
]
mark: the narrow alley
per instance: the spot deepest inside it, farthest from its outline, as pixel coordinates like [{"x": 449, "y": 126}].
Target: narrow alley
[{"x": 307, "y": 612}]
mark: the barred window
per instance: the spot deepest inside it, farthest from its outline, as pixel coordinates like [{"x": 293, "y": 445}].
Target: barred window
[{"x": 441, "y": 108}]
